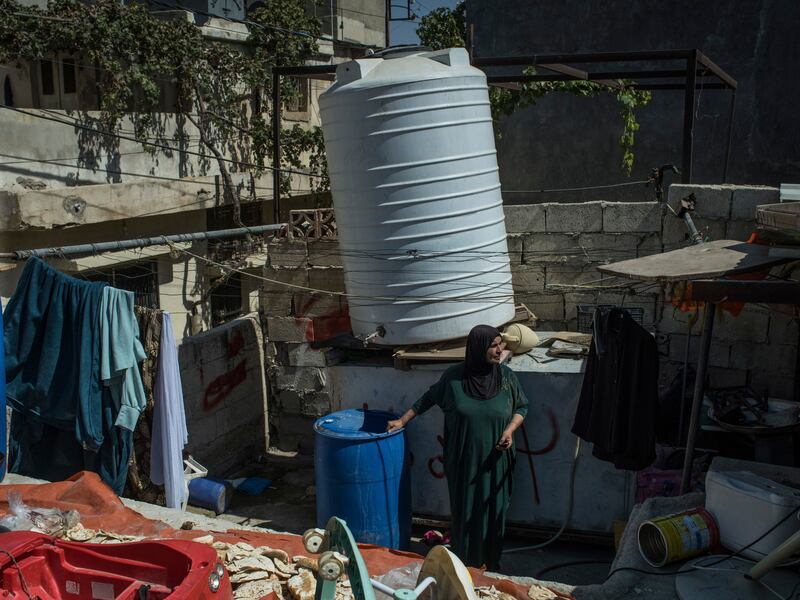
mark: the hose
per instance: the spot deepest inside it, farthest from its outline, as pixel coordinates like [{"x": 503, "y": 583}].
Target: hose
[{"x": 570, "y": 500}]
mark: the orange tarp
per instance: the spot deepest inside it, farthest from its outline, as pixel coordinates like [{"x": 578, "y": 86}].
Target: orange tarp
[{"x": 100, "y": 508}]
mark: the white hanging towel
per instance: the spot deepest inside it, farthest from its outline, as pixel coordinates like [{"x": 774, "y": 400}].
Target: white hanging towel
[{"x": 169, "y": 435}]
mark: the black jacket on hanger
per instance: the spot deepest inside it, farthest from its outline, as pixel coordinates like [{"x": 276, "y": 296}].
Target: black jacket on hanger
[{"x": 619, "y": 398}]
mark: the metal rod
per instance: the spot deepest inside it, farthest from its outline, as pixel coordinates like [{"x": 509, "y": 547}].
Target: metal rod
[
  {"x": 276, "y": 146},
  {"x": 685, "y": 382},
  {"x": 688, "y": 117},
  {"x": 697, "y": 399},
  {"x": 533, "y": 59},
  {"x": 797, "y": 371},
  {"x": 387, "y": 25},
  {"x": 730, "y": 137},
  {"x": 88, "y": 249}
]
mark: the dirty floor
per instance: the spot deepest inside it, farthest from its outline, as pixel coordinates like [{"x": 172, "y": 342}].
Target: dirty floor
[{"x": 289, "y": 505}]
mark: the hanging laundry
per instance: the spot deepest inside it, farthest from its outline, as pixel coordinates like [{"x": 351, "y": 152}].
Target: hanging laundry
[
  {"x": 169, "y": 420},
  {"x": 139, "y": 485},
  {"x": 120, "y": 355},
  {"x": 619, "y": 397},
  {"x": 64, "y": 414}
]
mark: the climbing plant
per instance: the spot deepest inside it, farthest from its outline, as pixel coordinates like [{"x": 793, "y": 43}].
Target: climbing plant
[
  {"x": 445, "y": 28},
  {"x": 222, "y": 88}
]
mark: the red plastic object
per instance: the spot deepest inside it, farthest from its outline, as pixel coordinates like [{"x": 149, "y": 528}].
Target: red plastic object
[{"x": 48, "y": 568}]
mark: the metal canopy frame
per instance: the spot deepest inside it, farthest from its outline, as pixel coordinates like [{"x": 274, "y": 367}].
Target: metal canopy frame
[
  {"x": 687, "y": 70},
  {"x": 713, "y": 291}
]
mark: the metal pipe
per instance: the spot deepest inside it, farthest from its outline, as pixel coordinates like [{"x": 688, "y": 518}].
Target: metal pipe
[
  {"x": 388, "y": 22},
  {"x": 697, "y": 399},
  {"x": 730, "y": 137},
  {"x": 88, "y": 249},
  {"x": 688, "y": 117},
  {"x": 276, "y": 146},
  {"x": 685, "y": 382}
]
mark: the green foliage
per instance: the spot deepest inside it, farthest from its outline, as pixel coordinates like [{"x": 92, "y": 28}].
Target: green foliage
[
  {"x": 222, "y": 88},
  {"x": 444, "y": 28}
]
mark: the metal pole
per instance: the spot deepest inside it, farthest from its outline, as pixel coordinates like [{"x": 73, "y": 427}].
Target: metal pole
[
  {"x": 730, "y": 137},
  {"x": 89, "y": 249},
  {"x": 697, "y": 400},
  {"x": 685, "y": 382},
  {"x": 388, "y": 23},
  {"x": 276, "y": 146},
  {"x": 688, "y": 117}
]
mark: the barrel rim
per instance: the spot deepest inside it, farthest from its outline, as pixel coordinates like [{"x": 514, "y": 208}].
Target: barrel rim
[{"x": 364, "y": 436}]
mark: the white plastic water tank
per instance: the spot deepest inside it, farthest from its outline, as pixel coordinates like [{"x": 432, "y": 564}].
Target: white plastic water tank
[{"x": 415, "y": 185}]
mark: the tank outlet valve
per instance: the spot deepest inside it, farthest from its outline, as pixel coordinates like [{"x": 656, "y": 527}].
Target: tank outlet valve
[{"x": 312, "y": 540}]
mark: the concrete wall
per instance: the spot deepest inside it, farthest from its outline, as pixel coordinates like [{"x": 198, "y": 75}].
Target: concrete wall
[
  {"x": 565, "y": 141},
  {"x": 555, "y": 250},
  {"x": 225, "y": 394}
]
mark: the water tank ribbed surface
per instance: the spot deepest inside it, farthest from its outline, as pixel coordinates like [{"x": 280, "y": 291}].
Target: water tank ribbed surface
[{"x": 416, "y": 189}]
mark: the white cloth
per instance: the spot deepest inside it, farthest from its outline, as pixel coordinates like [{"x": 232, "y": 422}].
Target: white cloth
[{"x": 169, "y": 435}]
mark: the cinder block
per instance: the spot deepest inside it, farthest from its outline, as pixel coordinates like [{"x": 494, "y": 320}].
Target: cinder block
[
  {"x": 275, "y": 296},
  {"x": 775, "y": 360},
  {"x": 747, "y": 198},
  {"x": 316, "y": 404},
  {"x": 626, "y": 217},
  {"x": 673, "y": 320},
  {"x": 311, "y": 305},
  {"x": 722, "y": 378},
  {"x": 719, "y": 354},
  {"x": 577, "y": 217},
  {"x": 544, "y": 248},
  {"x": 713, "y": 201},
  {"x": 751, "y": 325},
  {"x": 527, "y": 279},
  {"x": 546, "y": 307},
  {"x": 289, "y": 401},
  {"x": 563, "y": 278},
  {"x": 676, "y": 234},
  {"x": 289, "y": 329},
  {"x": 774, "y": 387},
  {"x": 609, "y": 247},
  {"x": 302, "y": 355},
  {"x": 739, "y": 230},
  {"x": 515, "y": 246},
  {"x": 525, "y": 218},
  {"x": 291, "y": 253},
  {"x": 649, "y": 244},
  {"x": 783, "y": 328},
  {"x": 295, "y": 433},
  {"x": 324, "y": 253},
  {"x": 327, "y": 279},
  {"x": 304, "y": 379}
]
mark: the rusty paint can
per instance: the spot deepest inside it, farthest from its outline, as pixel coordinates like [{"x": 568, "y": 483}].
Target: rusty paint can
[{"x": 677, "y": 537}]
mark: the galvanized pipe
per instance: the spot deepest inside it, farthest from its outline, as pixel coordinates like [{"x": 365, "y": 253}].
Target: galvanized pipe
[{"x": 88, "y": 249}]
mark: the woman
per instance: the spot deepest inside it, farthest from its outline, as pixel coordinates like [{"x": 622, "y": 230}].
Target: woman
[{"x": 483, "y": 405}]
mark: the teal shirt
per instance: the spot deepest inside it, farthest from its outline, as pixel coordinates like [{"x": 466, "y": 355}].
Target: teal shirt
[{"x": 479, "y": 477}]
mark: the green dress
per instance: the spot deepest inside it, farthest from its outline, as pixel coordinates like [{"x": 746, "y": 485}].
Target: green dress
[{"x": 479, "y": 477}]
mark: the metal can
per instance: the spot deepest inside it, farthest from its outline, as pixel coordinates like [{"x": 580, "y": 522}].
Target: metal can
[{"x": 676, "y": 537}]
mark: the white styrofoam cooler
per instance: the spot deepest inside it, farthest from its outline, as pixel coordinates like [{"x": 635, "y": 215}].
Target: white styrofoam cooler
[{"x": 746, "y": 505}]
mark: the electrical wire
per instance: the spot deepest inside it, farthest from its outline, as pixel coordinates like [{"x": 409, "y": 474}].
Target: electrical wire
[
  {"x": 571, "y": 563},
  {"x": 156, "y": 144},
  {"x": 578, "y": 189},
  {"x": 22, "y": 579}
]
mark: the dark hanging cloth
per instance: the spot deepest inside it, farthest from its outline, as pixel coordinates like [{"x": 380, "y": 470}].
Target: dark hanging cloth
[
  {"x": 481, "y": 379},
  {"x": 139, "y": 486},
  {"x": 619, "y": 398}
]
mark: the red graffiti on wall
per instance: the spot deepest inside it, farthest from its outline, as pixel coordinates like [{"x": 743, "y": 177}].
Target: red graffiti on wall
[
  {"x": 236, "y": 343},
  {"x": 223, "y": 385},
  {"x": 556, "y": 429},
  {"x": 322, "y": 322},
  {"x": 437, "y": 473}
]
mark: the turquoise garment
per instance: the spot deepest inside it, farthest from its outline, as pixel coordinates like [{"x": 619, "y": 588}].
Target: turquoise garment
[
  {"x": 479, "y": 477},
  {"x": 63, "y": 417},
  {"x": 120, "y": 355}
]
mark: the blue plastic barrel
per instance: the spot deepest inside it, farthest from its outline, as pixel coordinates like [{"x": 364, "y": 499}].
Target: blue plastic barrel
[
  {"x": 210, "y": 493},
  {"x": 362, "y": 476}
]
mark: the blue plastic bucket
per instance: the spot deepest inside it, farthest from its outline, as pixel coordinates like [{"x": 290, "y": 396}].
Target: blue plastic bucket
[{"x": 362, "y": 476}]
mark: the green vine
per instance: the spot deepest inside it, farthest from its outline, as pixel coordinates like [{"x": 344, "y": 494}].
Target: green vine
[
  {"x": 221, "y": 88},
  {"x": 444, "y": 28}
]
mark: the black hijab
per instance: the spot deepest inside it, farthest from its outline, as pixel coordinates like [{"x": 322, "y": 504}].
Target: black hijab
[{"x": 481, "y": 379}]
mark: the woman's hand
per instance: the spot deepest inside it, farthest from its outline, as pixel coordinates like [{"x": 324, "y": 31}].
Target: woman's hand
[
  {"x": 394, "y": 425},
  {"x": 505, "y": 440}
]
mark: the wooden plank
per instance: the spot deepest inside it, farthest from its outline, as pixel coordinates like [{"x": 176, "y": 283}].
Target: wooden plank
[
  {"x": 711, "y": 259},
  {"x": 769, "y": 292}
]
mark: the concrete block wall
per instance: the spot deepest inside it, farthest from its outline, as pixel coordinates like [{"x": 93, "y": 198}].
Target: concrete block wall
[
  {"x": 554, "y": 250},
  {"x": 225, "y": 394}
]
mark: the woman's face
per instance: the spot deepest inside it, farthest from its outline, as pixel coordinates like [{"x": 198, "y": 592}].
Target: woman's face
[{"x": 495, "y": 351}]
